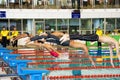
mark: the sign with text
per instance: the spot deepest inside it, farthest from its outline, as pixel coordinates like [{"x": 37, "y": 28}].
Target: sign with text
[
  {"x": 76, "y": 14},
  {"x": 2, "y": 14}
]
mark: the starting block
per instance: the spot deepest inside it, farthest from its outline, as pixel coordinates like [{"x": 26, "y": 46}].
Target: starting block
[
  {"x": 22, "y": 70},
  {"x": 8, "y": 56},
  {"x": 20, "y": 66},
  {"x": 2, "y": 52}
]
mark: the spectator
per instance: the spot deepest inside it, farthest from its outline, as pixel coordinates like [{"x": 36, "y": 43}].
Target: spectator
[
  {"x": 73, "y": 4},
  {"x": 78, "y": 4},
  {"x": 85, "y": 3}
]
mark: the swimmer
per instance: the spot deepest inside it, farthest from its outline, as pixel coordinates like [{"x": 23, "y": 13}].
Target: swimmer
[
  {"x": 22, "y": 38},
  {"x": 112, "y": 43},
  {"x": 50, "y": 48},
  {"x": 56, "y": 39}
]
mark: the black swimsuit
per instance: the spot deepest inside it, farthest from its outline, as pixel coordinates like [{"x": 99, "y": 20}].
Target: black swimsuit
[{"x": 89, "y": 37}]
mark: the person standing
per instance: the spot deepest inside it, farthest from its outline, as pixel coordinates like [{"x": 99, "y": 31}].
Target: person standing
[
  {"x": 4, "y": 34},
  {"x": 8, "y": 39},
  {"x": 40, "y": 31},
  {"x": 14, "y": 34},
  {"x": 78, "y": 4},
  {"x": 73, "y": 4},
  {"x": 85, "y": 3},
  {"x": 99, "y": 32}
]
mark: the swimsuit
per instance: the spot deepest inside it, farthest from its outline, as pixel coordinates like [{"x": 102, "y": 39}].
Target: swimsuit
[{"x": 89, "y": 37}]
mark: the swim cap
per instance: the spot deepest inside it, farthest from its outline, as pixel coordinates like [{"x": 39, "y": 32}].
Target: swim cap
[{"x": 54, "y": 54}]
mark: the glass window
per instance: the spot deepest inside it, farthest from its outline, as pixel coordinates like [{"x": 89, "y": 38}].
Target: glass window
[
  {"x": 28, "y": 25},
  {"x": 39, "y": 27},
  {"x": 50, "y": 24},
  {"x": 85, "y": 26},
  {"x": 74, "y": 26},
  {"x": 97, "y": 23},
  {"x": 118, "y": 23},
  {"x": 16, "y": 23},
  {"x": 62, "y": 24},
  {"x": 24, "y": 24},
  {"x": 110, "y": 24},
  {"x": 3, "y": 22}
]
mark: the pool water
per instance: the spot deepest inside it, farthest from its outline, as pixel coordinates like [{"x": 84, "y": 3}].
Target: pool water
[{"x": 77, "y": 66}]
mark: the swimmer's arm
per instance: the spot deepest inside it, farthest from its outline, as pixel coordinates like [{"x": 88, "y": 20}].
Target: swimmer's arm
[
  {"x": 20, "y": 36},
  {"x": 35, "y": 38},
  {"x": 35, "y": 44},
  {"x": 50, "y": 48}
]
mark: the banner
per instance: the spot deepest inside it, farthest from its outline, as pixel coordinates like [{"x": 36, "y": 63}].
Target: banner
[
  {"x": 2, "y": 14},
  {"x": 76, "y": 14}
]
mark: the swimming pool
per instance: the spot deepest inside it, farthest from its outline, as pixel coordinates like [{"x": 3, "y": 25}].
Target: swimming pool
[
  {"x": 72, "y": 66},
  {"x": 77, "y": 67}
]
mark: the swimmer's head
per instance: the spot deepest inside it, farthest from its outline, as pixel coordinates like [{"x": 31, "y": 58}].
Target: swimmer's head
[{"x": 27, "y": 33}]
